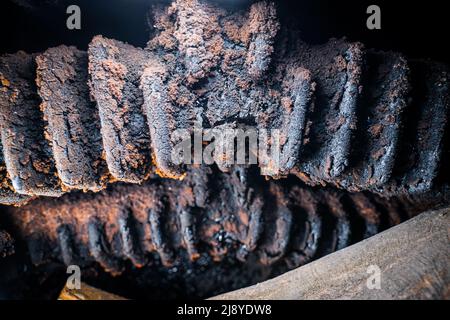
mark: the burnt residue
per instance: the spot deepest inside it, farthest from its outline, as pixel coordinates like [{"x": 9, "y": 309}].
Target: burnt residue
[
  {"x": 212, "y": 232},
  {"x": 344, "y": 111},
  {"x": 365, "y": 131}
]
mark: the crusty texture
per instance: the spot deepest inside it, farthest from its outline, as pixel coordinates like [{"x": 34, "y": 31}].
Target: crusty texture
[
  {"x": 7, "y": 194},
  {"x": 420, "y": 157},
  {"x": 338, "y": 76},
  {"x": 232, "y": 228},
  {"x": 379, "y": 122},
  {"x": 73, "y": 125},
  {"x": 27, "y": 153},
  {"x": 346, "y": 116},
  {"x": 115, "y": 69}
]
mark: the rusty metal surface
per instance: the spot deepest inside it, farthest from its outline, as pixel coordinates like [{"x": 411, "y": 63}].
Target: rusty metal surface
[
  {"x": 350, "y": 117},
  {"x": 210, "y": 233},
  {"x": 85, "y": 164}
]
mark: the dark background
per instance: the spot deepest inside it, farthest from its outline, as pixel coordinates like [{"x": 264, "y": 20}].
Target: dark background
[{"x": 418, "y": 29}]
